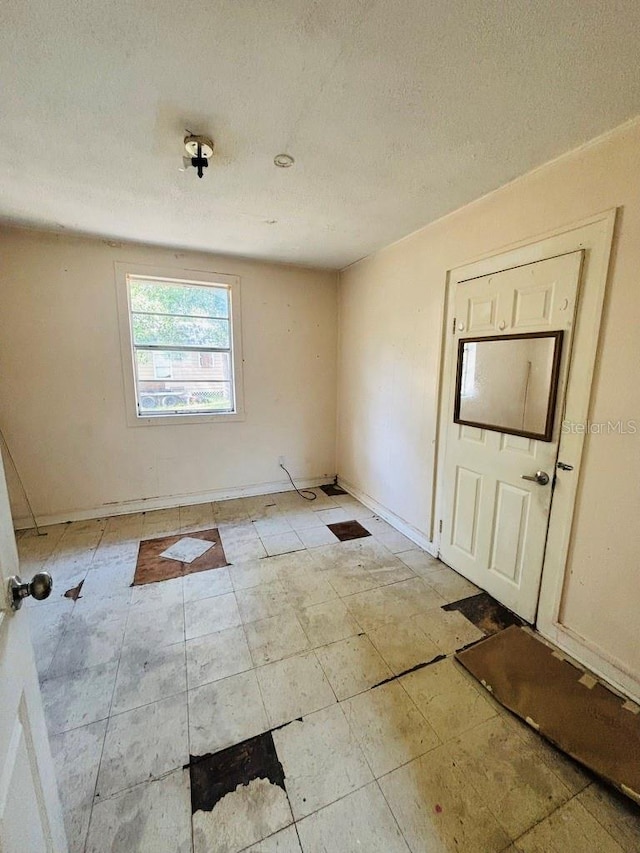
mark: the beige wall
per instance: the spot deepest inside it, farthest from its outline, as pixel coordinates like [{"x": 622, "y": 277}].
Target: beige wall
[
  {"x": 62, "y": 405},
  {"x": 391, "y": 310}
]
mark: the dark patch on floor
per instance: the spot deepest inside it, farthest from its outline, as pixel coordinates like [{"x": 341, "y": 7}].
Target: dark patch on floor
[
  {"x": 485, "y": 612},
  {"x": 151, "y": 567},
  {"x": 215, "y": 775},
  {"x": 346, "y": 530},
  {"x": 332, "y": 490},
  {"x": 411, "y": 669},
  {"x": 74, "y": 592}
]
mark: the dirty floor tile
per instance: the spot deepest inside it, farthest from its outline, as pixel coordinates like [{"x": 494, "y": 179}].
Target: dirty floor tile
[
  {"x": 246, "y": 549},
  {"x": 250, "y": 573},
  {"x": 420, "y": 561},
  {"x": 305, "y": 587},
  {"x": 450, "y": 585},
  {"x": 449, "y": 702},
  {"x": 615, "y": 812},
  {"x": 195, "y": 517},
  {"x": 215, "y": 656},
  {"x": 143, "y": 744},
  {"x": 87, "y": 645},
  {"x": 153, "y": 595},
  {"x": 47, "y": 626},
  {"x": 282, "y": 543},
  {"x": 389, "y": 727},
  {"x": 322, "y": 760},
  {"x": 273, "y": 639},
  {"x": 396, "y": 602},
  {"x": 224, "y": 713},
  {"x": 403, "y": 646},
  {"x": 518, "y": 789},
  {"x": 154, "y": 817},
  {"x": 147, "y": 676},
  {"x": 437, "y": 809},
  {"x": 360, "y": 821},
  {"x": 333, "y": 516},
  {"x": 352, "y": 665},
  {"x": 395, "y": 541},
  {"x": 328, "y": 622},
  {"x": 285, "y": 841},
  {"x": 149, "y": 629},
  {"x": 294, "y": 687},
  {"x": 448, "y": 629},
  {"x": 570, "y": 829},
  {"x": 272, "y": 526},
  {"x": 76, "y": 757},
  {"x": 207, "y": 584},
  {"x": 208, "y": 615},
  {"x": 79, "y": 698},
  {"x": 261, "y": 602}
]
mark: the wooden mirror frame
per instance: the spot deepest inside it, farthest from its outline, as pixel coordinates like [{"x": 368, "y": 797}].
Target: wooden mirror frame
[{"x": 547, "y": 435}]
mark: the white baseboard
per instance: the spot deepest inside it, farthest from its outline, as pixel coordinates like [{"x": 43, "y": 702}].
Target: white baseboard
[
  {"x": 170, "y": 501},
  {"x": 394, "y": 520}
]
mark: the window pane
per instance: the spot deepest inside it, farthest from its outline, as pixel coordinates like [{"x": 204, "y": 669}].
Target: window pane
[
  {"x": 158, "y": 297},
  {"x": 161, "y": 398},
  {"x": 162, "y": 367},
  {"x": 179, "y": 331},
  {"x": 182, "y": 366}
]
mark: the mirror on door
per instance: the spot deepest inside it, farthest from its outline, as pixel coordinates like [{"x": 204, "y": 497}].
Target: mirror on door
[{"x": 508, "y": 383}]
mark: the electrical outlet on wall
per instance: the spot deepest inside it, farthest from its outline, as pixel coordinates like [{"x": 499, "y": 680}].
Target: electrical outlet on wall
[{"x": 280, "y": 460}]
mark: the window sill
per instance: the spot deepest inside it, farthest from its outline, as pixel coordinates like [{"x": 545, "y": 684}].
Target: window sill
[{"x": 182, "y": 420}]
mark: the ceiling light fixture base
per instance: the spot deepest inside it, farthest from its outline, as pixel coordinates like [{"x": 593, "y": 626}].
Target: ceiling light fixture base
[
  {"x": 283, "y": 161},
  {"x": 191, "y": 143}
]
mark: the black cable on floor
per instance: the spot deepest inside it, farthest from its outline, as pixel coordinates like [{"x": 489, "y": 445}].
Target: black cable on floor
[{"x": 305, "y": 492}]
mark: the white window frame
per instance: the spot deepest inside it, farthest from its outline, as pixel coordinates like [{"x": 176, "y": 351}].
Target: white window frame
[{"x": 123, "y": 272}]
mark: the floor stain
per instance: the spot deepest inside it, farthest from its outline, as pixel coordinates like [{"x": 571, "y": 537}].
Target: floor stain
[
  {"x": 485, "y": 612},
  {"x": 74, "y": 592},
  {"x": 215, "y": 775}
]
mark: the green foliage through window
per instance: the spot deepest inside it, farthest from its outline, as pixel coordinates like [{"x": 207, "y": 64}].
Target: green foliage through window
[
  {"x": 195, "y": 318},
  {"x": 158, "y": 297}
]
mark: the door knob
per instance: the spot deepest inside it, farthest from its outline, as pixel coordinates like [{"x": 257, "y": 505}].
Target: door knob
[
  {"x": 540, "y": 477},
  {"x": 39, "y": 587}
]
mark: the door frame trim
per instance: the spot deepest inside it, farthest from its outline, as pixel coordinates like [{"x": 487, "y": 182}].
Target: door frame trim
[{"x": 595, "y": 236}]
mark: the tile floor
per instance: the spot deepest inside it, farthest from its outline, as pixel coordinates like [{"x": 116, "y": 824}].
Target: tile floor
[{"x": 309, "y": 646}]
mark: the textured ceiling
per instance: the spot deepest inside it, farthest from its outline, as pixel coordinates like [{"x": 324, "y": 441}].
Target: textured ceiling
[{"x": 397, "y": 111}]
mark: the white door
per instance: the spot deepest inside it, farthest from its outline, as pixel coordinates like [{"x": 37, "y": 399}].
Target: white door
[
  {"x": 30, "y": 813},
  {"x": 494, "y": 524}
]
